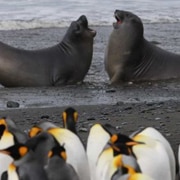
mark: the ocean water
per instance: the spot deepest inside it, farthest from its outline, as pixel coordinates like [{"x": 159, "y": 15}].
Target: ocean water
[{"x": 24, "y": 14}]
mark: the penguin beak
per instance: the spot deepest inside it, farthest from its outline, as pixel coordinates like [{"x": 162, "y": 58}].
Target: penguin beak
[
  {"x": 114, "y": 147},
  {"x": 133, "y": 143},
  {"x": 5, "y": 152}
]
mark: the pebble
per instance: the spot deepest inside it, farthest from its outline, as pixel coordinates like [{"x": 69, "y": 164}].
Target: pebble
[
  {"x": 110, "y": 90},
  {"x": 128, "y": 108},
  {"x": 91, "y": 119},
  {"x": 124, "y": 123},
  {"x": 82, "y": 129},
  {"x": 118, "y": 127},
  {"x": 150, "y": 103},
  {"x": 12, "y": 104},
  {"x": 168, "y": 134},
  {"x": 130, "y": 83},
  {"x": 44, "y": 117}
]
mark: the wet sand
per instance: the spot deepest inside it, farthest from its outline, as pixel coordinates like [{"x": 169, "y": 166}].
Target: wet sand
[{"x": 128, "y": 107}]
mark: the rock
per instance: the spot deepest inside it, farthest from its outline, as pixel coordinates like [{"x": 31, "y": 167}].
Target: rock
[
  {"x": 110, "y": 90},
  {"x": 157, "y": 118},
  {"x": 91, "y": 118},
  {"x": 83, "y": 129},
  {"x": 44, "y": 117},
  {"x": 150, "y": 103},
  {"x": 128, "y": 108},
  {"x": 12, "y": 104}
]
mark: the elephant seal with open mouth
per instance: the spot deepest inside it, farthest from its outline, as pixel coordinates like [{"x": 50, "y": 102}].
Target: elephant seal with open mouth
[
  {"x": 65, "y": 63},
  {"x": 130, "y": 57}
]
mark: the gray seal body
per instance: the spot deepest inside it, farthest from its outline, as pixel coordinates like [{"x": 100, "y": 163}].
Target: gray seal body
[
  {"x": 65, "y": 63},
  {"x": 130, "y": 57}
]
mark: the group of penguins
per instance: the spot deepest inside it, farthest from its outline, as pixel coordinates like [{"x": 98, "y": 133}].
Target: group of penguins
[{"x": 50, "y": 152}]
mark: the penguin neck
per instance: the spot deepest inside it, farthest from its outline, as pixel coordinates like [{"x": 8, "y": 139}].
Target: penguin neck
[
  {"x": 72, "y": 128},
  {"x": 23, "y": 159}
]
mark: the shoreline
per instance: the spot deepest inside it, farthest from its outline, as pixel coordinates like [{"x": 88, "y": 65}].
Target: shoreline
[{"x": 158, "y": 103}]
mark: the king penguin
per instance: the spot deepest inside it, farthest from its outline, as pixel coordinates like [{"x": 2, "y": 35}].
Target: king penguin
[
  {"x": 24, "y": 166},
  {"x": 152, "y": 157},
  {"x": 58, "y": 168},
  {"x": 147, "y": 152},
  {"x": 115, "y": 148},
  {"x": 97, "y": 140},
  {"x": 40, "y": 144},
  {"x": 40, "y": 127},
  {"x": 76, "y": 155},
  {"x": 6, "y": 140},
  {"x": 155, "y": 134},
  {"x": 19, "y": 135},
  {"x": 70, "y": 118}
]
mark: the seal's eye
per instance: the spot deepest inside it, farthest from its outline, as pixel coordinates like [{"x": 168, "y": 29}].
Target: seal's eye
[
  {"x": 77, "y": 27},
  {"x": 127, "y": 15}
]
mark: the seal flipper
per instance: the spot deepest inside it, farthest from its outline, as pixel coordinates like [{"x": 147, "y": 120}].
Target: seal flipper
[{"x": 117, "y": 78}]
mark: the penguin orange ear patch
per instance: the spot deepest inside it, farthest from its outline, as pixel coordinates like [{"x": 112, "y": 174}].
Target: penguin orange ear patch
[
  {"x": 114, "y": 138},
  {"x": 63, "y": 155},
  {"x": 23, "y": 150},
  {"x": 75, "y": 115},
  {"x": 64, "y": 117},
  {"x": 3, "y": 122},
  {"x": 50, "y": 154},
  {"x": 34, "y": 131}
]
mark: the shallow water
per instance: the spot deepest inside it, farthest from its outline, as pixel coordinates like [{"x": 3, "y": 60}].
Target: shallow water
[{"x": 24, "y": 14}]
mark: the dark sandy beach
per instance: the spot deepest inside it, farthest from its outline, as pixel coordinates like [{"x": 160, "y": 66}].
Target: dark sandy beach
[{"x": 127, "y": 107}]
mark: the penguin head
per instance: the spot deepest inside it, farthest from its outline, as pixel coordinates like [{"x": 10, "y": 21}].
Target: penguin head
[
  {"x": 3, "y": 122},
  {"x": 70, "y": 118},
  {"x": 7, "y": 138},
  {"x": 38, "y": 128},
  {"x": 16, "y": 151},
  {"x": 122, "y": 144},
  {"x": 59, "y": 151},
  {"x": 34, "y": 131}
]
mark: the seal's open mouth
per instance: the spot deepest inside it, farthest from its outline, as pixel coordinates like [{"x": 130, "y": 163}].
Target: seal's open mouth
[
  {"x": 118, "y": 16},
  {"x": 118, "y": 20}
]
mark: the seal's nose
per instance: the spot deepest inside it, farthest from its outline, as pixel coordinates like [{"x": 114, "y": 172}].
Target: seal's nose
[{"x": 82, "y": 19}]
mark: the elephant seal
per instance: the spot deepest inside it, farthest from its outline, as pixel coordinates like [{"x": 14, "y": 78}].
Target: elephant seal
[
  {"x": 130, "y": 57},
  {"x": 65, "y": 63}
]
